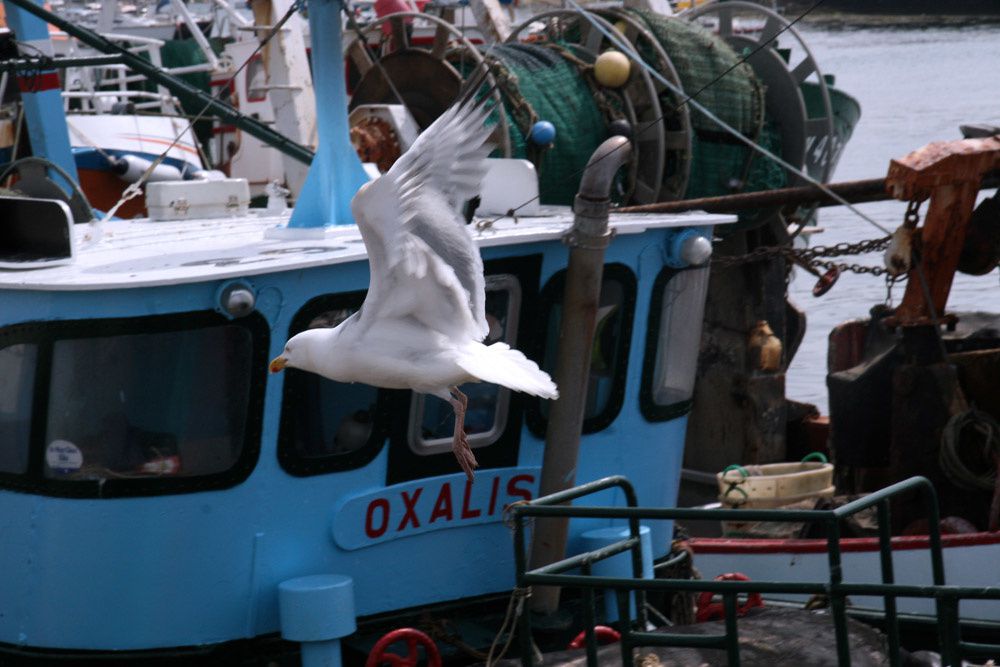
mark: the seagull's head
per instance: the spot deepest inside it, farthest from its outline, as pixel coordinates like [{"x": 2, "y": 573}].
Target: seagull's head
[{"x": 298, "y": 352}]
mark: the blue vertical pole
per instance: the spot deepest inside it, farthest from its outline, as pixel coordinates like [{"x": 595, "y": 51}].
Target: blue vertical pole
[
  {"x": 41, "y": 93},
  {"x": 336, "y": 172}
]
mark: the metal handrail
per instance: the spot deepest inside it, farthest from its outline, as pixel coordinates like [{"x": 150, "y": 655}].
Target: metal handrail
[{"x": 554, "y": 574}]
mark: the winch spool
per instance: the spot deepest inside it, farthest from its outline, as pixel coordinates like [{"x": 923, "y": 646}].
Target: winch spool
[
  {"x": 788, "y": 73},
  {"x": 539, "y": 84},
  {"x": 545, "y": 72},
  {"x": 676, "y": 119},
  {"x": 579, "y": 42},
  {"x": 799, "y": 122},
  {"x": 426, "y": 75},
  {"x": 720, "y": 163}
]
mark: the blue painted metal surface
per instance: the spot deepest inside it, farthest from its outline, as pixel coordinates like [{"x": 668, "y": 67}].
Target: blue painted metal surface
[
  {"x": 317, "y": 607},
  {"x": 619, "y": 565},
  {"x": 336, "y": 172},
  {"x": 41, "y": 97},
  {"x": 203, "y": 568}
]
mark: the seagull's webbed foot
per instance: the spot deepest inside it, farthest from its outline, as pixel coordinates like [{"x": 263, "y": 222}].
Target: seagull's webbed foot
[{"x": 460, "y": 445}]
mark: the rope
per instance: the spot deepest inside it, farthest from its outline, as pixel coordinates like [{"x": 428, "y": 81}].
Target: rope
[
  {"x": 515, "y": 606},
  {"x": 987, "y": 431}
]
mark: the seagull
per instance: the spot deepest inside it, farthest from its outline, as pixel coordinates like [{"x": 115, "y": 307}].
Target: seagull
[{"x": 423, "y": 320}]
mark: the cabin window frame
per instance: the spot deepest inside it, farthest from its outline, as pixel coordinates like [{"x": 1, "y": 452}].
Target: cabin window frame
[
  {"x": 428, "y": 447},
  {"x": 650, "y": 409},
  {"x": 552, "y": 291},
  {"x": 45, "y": 334},
  {"x": 288, "y": 457}
]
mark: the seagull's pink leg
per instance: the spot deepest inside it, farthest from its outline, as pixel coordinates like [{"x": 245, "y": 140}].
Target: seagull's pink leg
[{"x": 459, "y": 445}]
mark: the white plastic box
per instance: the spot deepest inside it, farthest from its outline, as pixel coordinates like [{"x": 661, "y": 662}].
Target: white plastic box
[{"x": 183, "y": 200}]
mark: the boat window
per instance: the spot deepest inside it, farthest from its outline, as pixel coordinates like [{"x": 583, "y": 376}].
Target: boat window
[
  {"x": 609, "y": 354},
  {"x": 327, "y": 425},
  {"x": 672, "y": 343},
  {"x": 132, "y": 407},
  {"x": 432, "y": 419},
  {"x": 256, "y": 80},
  {"x": 17, "y": 368}
]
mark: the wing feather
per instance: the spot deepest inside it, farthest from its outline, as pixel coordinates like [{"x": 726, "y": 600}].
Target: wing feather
[{"x": 419, "y": 247}]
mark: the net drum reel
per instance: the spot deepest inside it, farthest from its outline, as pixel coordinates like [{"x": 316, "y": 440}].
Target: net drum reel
[
  {"x": 424, "y": 74},
  {"x": 808, "y": 137},
  {"x": 639, "y": 97},
  {"x": 676, "y": 116}
]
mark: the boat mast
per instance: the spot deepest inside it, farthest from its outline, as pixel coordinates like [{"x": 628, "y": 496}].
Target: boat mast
[{"x": 41, "y": 93}]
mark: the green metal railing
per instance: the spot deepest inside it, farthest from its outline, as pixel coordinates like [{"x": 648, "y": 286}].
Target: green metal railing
[{"x": 947, "y": 598}]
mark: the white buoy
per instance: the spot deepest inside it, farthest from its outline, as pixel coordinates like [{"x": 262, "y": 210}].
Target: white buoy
[{"x": 130, "y": 168}]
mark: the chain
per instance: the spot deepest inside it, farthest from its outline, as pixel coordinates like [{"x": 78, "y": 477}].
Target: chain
[
  {"x": 811, "y": 257},
  {"x": 912, "y": 216}
]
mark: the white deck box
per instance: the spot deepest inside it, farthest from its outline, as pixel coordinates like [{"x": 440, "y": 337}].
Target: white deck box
[{"x": 182, "y": 200}]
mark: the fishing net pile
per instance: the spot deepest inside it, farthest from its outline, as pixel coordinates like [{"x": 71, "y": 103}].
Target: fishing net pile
[{"x": 552, "y": 80}]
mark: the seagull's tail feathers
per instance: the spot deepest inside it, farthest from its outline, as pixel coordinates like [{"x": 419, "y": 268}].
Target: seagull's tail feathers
[{"x": 499, "y": 364}]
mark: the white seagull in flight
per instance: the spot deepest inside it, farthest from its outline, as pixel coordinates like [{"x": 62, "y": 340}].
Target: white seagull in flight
[{"x": 423, "y": 321}]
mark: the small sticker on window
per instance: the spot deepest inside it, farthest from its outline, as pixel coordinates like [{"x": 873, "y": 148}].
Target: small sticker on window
[{"x": 63, "y": 456}]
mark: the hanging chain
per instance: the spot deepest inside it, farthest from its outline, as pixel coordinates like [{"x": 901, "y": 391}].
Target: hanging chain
[
  {"x": 912, "y": 216},
  {"x": 812, "y": 257}
]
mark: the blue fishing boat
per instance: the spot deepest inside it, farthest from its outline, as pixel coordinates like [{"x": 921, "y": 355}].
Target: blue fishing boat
[{"x": 165, "y": 498}]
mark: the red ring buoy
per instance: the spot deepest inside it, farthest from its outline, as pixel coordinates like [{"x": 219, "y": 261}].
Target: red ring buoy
[
  {"x": 604, "y": 634},
  {"x": 714, "y": 611},
  {"x": 413, "y": 639}
]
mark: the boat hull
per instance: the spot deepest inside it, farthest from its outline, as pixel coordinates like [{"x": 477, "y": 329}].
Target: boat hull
[{"x": 969, "y": 560}]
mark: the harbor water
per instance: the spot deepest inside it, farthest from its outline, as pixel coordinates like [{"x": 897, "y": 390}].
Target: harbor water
[{"x": 916, "y": 84}]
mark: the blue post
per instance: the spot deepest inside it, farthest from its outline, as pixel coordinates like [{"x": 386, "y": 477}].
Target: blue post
[
  {"x": 619, "y": 565},
  {"x": 41, "y": 94},
  {"x": 317, "y": 611},
  {"x": 336, "y": 172}
]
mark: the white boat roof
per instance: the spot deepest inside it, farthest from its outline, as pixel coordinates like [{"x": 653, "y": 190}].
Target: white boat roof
[{"x": 144, "y": 253}]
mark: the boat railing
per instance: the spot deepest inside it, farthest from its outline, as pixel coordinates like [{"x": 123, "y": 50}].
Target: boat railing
[
  {"x": 575, "y": 572},
  {"x": 101, "y": 86}
]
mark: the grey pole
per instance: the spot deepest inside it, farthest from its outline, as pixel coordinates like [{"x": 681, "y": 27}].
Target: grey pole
[{"x": 587, "y": 241}]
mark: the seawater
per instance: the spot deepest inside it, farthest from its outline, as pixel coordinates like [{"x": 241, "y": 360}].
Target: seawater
[{"x": 916, "y": 84}]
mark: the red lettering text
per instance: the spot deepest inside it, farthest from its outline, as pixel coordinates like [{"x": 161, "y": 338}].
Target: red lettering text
[
  {"x": 514, "y": 490},
  {"x": 410, "y": 505},
  {"x": 493, "y": 495},
  {"x": 370, "y": 529},
  {"x": 466, "y": 512},
  {"x": 442, "y": 506}
]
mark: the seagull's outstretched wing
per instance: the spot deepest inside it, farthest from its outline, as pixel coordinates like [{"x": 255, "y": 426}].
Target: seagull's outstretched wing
[{"x": 423, "y": 260}]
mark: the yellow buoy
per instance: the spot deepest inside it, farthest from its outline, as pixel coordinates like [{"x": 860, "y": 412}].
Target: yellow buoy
[{"x": 611, "y": 69}]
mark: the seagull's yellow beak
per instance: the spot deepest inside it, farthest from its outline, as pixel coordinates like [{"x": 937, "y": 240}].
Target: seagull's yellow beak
[{"x": 278, "y": 364}]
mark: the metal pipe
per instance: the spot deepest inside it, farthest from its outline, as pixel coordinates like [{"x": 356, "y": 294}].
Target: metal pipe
[
  {"x": 587, "y": 240},
  {"x": 184, "y": 91},
  {"x": 855, "y": 192},
  {"x": 35, "y": 64}
]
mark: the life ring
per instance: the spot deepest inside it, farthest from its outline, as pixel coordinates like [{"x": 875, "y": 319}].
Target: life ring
[
  {"x": 714, "y": 611},
  {"x": 604, "y": 634},
  {"x": 413, "y": 638}
]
